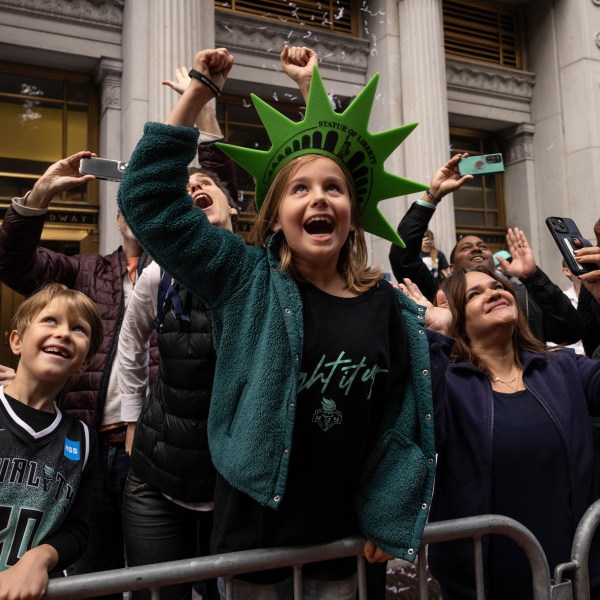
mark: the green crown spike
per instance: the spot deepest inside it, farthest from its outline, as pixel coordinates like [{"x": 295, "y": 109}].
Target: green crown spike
[{"x": 343, "y": 137}]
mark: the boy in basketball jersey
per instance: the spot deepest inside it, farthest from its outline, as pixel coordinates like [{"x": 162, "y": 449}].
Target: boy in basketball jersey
[{"x": 46, "y": 457}]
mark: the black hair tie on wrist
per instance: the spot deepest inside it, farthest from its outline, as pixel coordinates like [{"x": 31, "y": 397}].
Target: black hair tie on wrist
[
  {"x": 432, "y": 197},
  {"x": 206, "y": 81}
]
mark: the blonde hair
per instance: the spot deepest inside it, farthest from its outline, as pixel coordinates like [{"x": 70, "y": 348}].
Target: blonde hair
[
  {"x": 76, "y": 303},
  {"x": 352, "y": 264}
]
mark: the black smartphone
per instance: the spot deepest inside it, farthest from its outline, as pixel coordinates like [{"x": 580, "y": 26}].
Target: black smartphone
[
  {"x": 568, "y": 238},
  {"x": 102, "y": 168}
]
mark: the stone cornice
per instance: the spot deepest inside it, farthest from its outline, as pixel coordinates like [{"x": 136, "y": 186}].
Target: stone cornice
[
  {"x": 101, "y": 13},
  {"x": 480, "y": 78},
  {"x": 243, "y": 33}
]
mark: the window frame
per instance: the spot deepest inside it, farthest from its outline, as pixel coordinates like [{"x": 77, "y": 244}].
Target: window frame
[
  {"x": 460, "y": 33},
  {"x": 92, "y": 104},
  {"x": 260, "y": 10},
  {"x": 488, "y": 142}
]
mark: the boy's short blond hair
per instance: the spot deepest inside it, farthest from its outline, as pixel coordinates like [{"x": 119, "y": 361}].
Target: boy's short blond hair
[{"x": 77, "y": 303}]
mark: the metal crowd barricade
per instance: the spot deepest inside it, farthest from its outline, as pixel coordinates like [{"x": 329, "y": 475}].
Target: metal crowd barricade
[
  {"x": 153, "y": 577},
  {"x": 227, "y": 565},
  {"x": 580, "y": 552},
  {"x": 476, "y": 528}
]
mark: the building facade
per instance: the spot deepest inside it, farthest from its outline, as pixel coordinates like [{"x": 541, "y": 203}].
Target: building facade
[{"x": 521, "y": 77}]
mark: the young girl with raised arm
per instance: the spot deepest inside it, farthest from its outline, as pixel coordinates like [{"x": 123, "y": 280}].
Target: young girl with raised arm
[{"x": 321, "y": 416}]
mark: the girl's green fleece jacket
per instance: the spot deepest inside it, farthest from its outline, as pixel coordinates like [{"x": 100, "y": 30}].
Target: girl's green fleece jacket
[{"x": 258, "y": 334}]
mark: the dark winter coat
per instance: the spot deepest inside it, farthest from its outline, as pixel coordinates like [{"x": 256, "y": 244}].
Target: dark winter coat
[{"x": 567, "y": 385}]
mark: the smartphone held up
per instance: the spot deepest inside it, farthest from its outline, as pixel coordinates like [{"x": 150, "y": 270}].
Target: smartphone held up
[
  {"x": 481, "y": 165},
  {"x": 568, "y": 238},
  {"x": 102, "y": 168}
]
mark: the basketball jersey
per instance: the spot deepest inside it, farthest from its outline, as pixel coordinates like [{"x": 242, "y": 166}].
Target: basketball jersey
[{"x": 40, "y": 474}]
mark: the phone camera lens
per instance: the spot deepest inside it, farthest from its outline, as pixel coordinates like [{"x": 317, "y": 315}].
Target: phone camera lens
[{"x": 560, "y": 226}]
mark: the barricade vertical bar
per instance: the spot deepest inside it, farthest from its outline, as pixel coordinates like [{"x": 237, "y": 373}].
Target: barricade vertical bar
[
  {"x": 580, "y": 550},
  {"x": 155, "y": 594},
  {"x": 228, "y": 581},
  {"x": 479, "y": 584},
  {"x": 297, "y": 582},
  {"x": 422, "y": 565},
  {"x": 362, "y": 577}
]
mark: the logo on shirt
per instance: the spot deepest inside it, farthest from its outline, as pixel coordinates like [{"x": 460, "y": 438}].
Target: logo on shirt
[
  {"x": 327, "y": 416},
  {"x": 72, "y": 450}
]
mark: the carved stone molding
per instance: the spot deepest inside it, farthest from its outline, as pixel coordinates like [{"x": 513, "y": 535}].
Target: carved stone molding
[
  {"x": 108, "y": 77},
  {"x": 102, "y": 13},
  {"x": 259, "y": 37},
  {"x": 596, "y": 2},
  {"x": 517, "y": 143},
  {"x": 489, "y": 79}
]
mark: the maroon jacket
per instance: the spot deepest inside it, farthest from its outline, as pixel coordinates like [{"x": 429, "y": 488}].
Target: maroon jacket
[{"x": 25, "y": 266}]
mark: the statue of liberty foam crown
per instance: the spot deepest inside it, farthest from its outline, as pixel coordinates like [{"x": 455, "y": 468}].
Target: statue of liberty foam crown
[{"x": 342, "y": 137}]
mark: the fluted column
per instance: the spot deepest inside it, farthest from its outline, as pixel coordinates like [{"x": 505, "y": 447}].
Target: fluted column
[
  {"x": 424, "y": 99},
  {"x": 178, "y": 29},
  {"x": 107, "y": 76},
  {"x": 158, "y": 35}
]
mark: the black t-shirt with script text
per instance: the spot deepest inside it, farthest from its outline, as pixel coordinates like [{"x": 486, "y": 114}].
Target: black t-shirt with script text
[{"x": 354, "y": 362}]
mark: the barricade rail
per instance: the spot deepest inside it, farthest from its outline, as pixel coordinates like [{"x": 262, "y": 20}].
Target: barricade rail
[{"x": 154, "y": 576}]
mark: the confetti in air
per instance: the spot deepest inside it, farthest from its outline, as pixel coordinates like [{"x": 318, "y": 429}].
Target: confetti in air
[
  {"x": 29, "y": 113},
  {"x": 374, "y": 51}
]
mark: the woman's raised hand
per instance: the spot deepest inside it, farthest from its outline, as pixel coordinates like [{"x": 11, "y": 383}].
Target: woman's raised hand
[{"x": 437, "y": 318}]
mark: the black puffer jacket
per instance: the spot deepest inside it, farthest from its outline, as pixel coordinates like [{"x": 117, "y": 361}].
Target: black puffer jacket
[{"x": 170, "y": 450}]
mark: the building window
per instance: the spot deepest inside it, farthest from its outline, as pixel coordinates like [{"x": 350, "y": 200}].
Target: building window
[
  {"x": 479, "y": 204},
  {"x": 331, "y": 15},
  {"x": 482, "y": 32},
  {"x": 45, "y": 115}
]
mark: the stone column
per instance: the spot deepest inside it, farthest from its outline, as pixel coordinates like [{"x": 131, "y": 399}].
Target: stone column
[
  {"x": 108, "y": 79},
  {"x": 178, "y": 29},
  {"x": 422, "y": 71},
  {"x": 519, "y": 181},
  {"x": 158, "y": 35}
]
